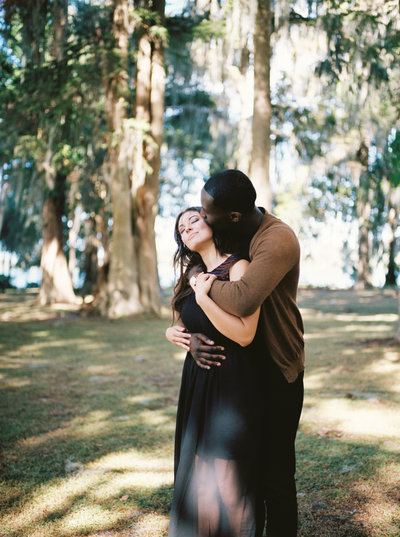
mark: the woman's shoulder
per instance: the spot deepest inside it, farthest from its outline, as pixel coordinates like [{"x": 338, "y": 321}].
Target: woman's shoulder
[
  {"x": 237, "y": 269},
  {"x": 222, "y": 272}
]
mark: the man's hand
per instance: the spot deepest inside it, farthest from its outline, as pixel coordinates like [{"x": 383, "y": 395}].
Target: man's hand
[{"x": 204, "y": 352}]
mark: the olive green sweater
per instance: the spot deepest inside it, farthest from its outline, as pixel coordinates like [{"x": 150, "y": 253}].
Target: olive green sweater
[{"x": 270, "y": 281}]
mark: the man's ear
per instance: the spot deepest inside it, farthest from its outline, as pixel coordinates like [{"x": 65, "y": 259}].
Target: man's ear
[{"x": 235, "y": 216}]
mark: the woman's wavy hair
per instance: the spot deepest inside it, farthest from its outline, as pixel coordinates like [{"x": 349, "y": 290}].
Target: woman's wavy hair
[{"x": 185, "y": 259}]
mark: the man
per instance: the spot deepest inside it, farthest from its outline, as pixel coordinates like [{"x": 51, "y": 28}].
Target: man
[{"x": 271, "y": 282}]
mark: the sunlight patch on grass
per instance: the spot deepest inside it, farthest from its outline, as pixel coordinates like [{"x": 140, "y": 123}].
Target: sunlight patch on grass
[
  {"x": 180, "y": 355},
  {"x": 349, "y": 352},
  {"x": 315, "y": 381},
  {"x": 357, "y": 417},
  {"x": 120, "y": 483},
  {"x": 17, "y": 382},
  {"x": 101, "y": 369},
  {"x": 377, "y": 318},
  {"x": 153, "y": 418},
  {"x": 143, "y": 398},
  {"x": 359, "y": 328},
  {"x": 89, "y": 517},
  {"x": 392, "y": 356},
  {"x": 150, "y": 525},
  {"x": 35, "y": 441},
  {"x": 133, "y": 460},
  {"x": 50, "y": 499},
  {"x": 386, "y": 366},
  {"x": 383, "y": 508}
]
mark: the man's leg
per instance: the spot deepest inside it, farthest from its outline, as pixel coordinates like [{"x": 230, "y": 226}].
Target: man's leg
[{"x": 284, "y": 403}]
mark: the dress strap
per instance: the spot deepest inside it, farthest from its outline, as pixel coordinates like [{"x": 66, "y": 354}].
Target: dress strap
[{"x": 222, "y": 271}]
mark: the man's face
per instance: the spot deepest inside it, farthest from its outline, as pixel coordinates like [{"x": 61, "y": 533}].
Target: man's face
[{"x": 215, "y": 217}]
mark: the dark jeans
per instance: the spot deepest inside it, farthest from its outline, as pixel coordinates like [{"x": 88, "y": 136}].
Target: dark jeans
[{"x": 284, "y": 402}]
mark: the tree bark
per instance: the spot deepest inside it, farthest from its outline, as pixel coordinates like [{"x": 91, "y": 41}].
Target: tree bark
[
  {"x": 56, "y": 283},
  {"x": 363, "y": 272},
  {"x": 260, "y": 156},
  {"x": 121, "y": 296},
  {"x": 72, "y": 237},
  {"x": 393, "y": 221},
  {"x": 150, "y": 87}
]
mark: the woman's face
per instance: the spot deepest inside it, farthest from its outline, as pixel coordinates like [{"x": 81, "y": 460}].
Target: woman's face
[{"x": 194, "y": 232}]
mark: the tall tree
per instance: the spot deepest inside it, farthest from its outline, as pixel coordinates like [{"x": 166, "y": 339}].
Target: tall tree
[
  {"x": 260, "y": 155},
  {"x": 56, "y": 285},
  {"x": 359, "y": 65},
  {"x": 34, "y": 111},
  {"x": 134, "y": 144}
]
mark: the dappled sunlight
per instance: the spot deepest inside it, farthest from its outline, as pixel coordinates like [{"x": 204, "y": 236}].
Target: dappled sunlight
[
  {"x": 52, "y": 499},
  {"x": 99, "y": 369},
  {"x": 152, "y": 418},
  {"x": 89, "y": 517},
  {"x": 104, "y": 480},
  {"x": 90, "y": 438},
  {"x": 150, "y": 525},
  {"x": 95, "y": 422},
  {"x": 373, "y": 318},
  {"x": 314, "y": 381},
  {"x": 17, "y": 382},
  {"x": 349, "y": 352},
  {"x": 392, "y": 356},
  {"x": 366, "y": 418},
  {"x": 143, "y": 399},
  {"x": 35, "y": 441},
  {"x": 132, "y": 460},
  {"x": 387, "y": 366},
  {"x": 365, "y": 328},
  {"x": 115, "y": 485},
  {"x": 382, "y": 506}
]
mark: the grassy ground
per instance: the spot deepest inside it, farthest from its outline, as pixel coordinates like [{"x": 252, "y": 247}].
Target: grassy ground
[{"x": 87, "y": 414}]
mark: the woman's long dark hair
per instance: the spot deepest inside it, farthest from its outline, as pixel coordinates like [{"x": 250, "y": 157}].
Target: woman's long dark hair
[{"x": 185, "y": 260}]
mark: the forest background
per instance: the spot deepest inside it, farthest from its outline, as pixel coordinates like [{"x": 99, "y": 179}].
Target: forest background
[{"x": 113, "y": 113}]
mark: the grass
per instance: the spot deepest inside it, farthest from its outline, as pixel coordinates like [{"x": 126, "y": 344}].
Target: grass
[{"x": 87, "y": 415}]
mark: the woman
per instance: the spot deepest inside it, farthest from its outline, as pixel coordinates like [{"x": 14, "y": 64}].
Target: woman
[{"x": 218, "y": 432}]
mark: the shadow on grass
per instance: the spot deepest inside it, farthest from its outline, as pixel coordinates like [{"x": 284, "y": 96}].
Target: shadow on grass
[
  {"x": 340, "y": 483},
  {"x": 99, "y": 397}
]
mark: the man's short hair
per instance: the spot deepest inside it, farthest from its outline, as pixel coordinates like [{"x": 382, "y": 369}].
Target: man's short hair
[{"x": 232, "y": 190}]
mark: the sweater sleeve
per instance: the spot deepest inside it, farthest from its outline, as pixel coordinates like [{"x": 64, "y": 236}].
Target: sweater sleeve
[{"x": 274, "y": 252}]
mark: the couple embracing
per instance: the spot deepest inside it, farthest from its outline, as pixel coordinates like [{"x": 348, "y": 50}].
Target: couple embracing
[{"x": 235, "y": 312}]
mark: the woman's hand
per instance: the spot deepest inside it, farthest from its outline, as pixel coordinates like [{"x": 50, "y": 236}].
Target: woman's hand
[
  {"x": 178, "y": 335},
  {"x": 201, "y": 284}
]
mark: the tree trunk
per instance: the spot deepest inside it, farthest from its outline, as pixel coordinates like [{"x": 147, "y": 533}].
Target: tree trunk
[
  {"x": 150, "y": 84},
  {"x": 103, "y": 267},
  {"x": 56, "y": 283},
  {"x": 363, "y": 273},
  {"x": 397, "y": 336},
  {"x": 121, "y": 295},
  {"x": 72, "y": 236},
  {"x": 260, "y": 156},
  {"x": 393, "y": 221}
]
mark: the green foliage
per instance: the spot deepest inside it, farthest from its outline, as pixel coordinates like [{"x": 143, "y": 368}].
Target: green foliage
[
  {"x": 209, "y": 29},
  {"x": 20, "y": 232},
  {"x": 394, "y": 160}
]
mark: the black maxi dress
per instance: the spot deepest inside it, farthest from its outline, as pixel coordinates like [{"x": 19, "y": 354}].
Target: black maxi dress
[{"x": 218, "y": 437}]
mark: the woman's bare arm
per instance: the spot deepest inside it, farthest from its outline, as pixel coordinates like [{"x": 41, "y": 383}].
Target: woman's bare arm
[{"x": 240, "y": 329}]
